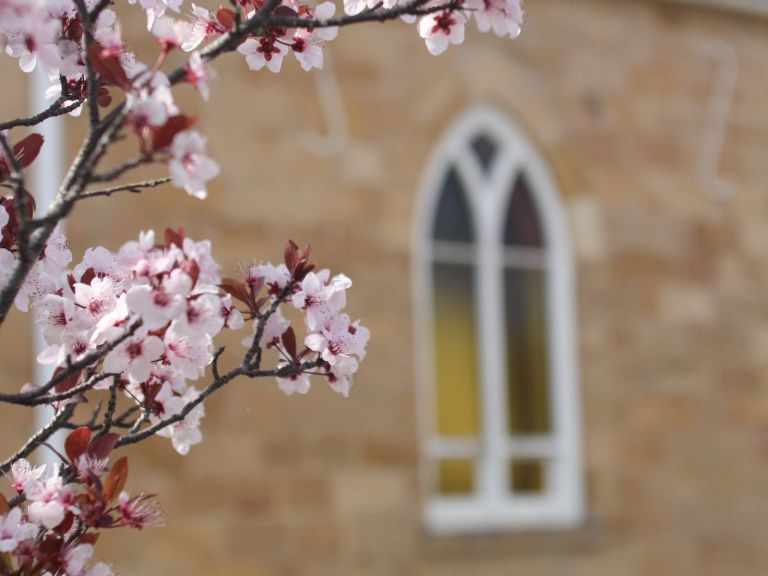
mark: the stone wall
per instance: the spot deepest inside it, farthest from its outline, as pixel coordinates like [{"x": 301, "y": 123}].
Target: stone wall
[{"x": 671, "y": 284}]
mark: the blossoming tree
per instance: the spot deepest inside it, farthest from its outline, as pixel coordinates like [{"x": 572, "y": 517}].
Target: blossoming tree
[{"x": 133, "y": 330}]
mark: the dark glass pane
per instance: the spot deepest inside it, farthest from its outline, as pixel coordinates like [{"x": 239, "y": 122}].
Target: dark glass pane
[
  {"x": 522, "y": 228},
  {"x": 452, "y": 219},
  {"x": 527, "y": 352},
  {"x": 455, "y": 353},
  {"x": 484, "y": 149},
  {"x": 455, "y": 476},
  {"x": 526, "y": 475}
]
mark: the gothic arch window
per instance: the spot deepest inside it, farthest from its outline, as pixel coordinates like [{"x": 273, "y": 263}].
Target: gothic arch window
[{"x": 497, "y": 372}]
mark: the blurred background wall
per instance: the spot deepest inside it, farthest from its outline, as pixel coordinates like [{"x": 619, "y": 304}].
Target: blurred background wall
[{"x": 625, "y": 101}]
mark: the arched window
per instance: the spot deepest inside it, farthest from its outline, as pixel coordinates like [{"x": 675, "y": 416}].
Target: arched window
[{"x": 499, "y": 405}]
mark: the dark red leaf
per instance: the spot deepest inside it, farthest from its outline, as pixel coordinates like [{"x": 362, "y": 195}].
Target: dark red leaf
[
  {"x": 285, "y": 11},
  {"x": 289, "y": 342},
  {"x": 174, "y": 237},
  {"x": 69, "y": 382},
  {"x": 66, "y": 524},
  {"x": 88, "y": 276},
  {"x": 108, "y": 66},
  {"x": 235, "y": 288},
  {"x": 116, "y": 479},
  {"x": 3, "y": 505},
  {"x": 291, "y": 255},
  {"x": 76, "y": 443},
  {"x": 226, "y": 17},
  {"x": 104, "y": 98},
  {"x": 50, "y": 546},
  {"x": 26, "y": 150},
  {"x": 103, "y": 445},
  {"x": 162, "y": 136}
]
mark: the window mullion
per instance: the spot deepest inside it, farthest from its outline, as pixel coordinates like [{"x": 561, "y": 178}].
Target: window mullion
[{"x": 490, "y": 344}]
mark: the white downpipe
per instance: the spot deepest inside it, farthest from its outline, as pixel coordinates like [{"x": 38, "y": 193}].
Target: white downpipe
[{"x": 45, "y": 176}]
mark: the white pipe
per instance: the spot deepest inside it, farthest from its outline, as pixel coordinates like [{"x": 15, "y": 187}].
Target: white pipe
[{"x": 45, "y": 174}]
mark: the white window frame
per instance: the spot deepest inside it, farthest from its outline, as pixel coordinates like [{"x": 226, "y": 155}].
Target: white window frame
[{"x": 492, "y": 507}]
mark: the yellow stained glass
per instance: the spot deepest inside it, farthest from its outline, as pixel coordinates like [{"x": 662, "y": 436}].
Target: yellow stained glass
[
  {"x": 455, "y": 350},
  {"x": 455, "y": 476},
  {"x": 527, "y": 353},
  {"x": 526, "y": 475}
]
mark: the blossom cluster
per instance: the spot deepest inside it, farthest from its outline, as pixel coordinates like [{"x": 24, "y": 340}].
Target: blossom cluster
[
  {"x": 333, "y": 344},
  {"x": 148, "y": 315},
  {"x": 64, "y": 42},
  {"x": 52, "y": 524}
]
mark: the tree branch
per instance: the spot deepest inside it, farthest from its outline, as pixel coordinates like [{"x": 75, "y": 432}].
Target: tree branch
[
  {"x": 135, "y": 187},
  {"x": 41, "y": 436}
]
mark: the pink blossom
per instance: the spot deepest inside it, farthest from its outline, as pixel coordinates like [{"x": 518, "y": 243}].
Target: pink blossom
[
  {"x": 275, "y": 277},
  {"x": 298, "y": 383},
  {"x": 158, "y": 305},
  {"x": 188, "y": 353},
  {"x": 203, "y": 316},
  {"x": 135, "y": 356},
  {"x": 353, "y": 7},
  {"x": 156, "y": 8},
  {"x": 265, "y": 51},
  {"x": 89, "y": 467},
  {"x": 33, "y": 41},
  {"x": 185, "y": 433},
  {"x": 75, "y": 557},
  {"x": 139, "y": 511},
  {"x": 24, "y": 472},
  {"x": 274, "y": 328},
  {"x": 96, "y": 298},
  {"x": 199, "y": 73},
  {"x": 203, "y": 27},
  {"x": 146, "y": 109},
  {"x": 49, "y": 499},
  {"x": 441, "y": 29},
  {"x": 13, "y": 530},
  {"x": 319, "y": 298},
  {"x": 505, "y": 17},
  {"x": 171, "y": 33},
  {"x": 233, "y": 318},
  {"x": 340, "y": 375},
  {"x": 190, "y": 167},
  {"x": 307, "y": 43},
  {"x": 339, "y": 338}
]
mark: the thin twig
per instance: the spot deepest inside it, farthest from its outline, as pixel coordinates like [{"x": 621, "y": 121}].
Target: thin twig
[
  {"x": 135, "y": 187},
  {"x": 39, "y": 437},
  {"x": 285, "y": 371},
  {"x": 56, "y": 109},
  {"x": 106, "y": 423},
  {"x": 93, "y": 82},
  {"x": 121, "y": 169},
  {"x": 36, "y": 396}
]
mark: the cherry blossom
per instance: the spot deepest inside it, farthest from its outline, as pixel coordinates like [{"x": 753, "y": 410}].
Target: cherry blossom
[
  {"x": 190, "y": 167},
  {"x": 266, "y": 51},
  {"x": 441, "y": 29},
  {"x": 504, "y": 17},
  {"x": 339, "y": 338},
  {"x": 135, "y": 356},
  {"x": 13, "y": 530},
  {"x": 306, "y": 43},
  {"x": 298, "y": 383},
  {"x": 139, "y": 511},
  {"x": 24, "y": 472},
  {"x": 49, "y": 499}
]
